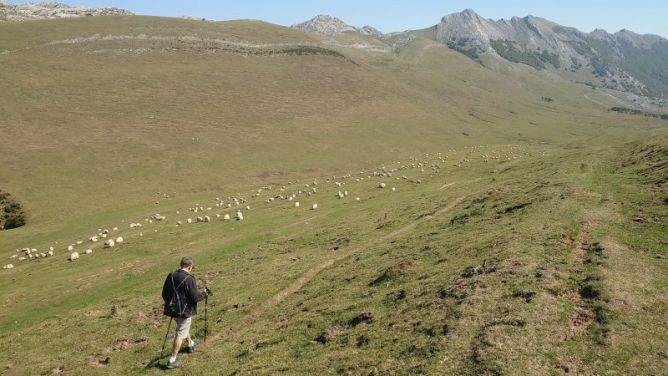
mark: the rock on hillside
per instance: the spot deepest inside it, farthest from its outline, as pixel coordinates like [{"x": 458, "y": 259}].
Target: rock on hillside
[
  {"x": 622, "y": 61},
  {"x": 38, "y": 11}
]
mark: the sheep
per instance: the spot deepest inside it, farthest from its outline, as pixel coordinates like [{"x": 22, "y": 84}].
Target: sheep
[
  {"x": 8, "y": 266},
  {"x": 43, "y": 255},
  {"x": 70, "y": 248},
  {"x": 79, "y": 242},
  {"x": 226, "y": 217},
  {"x": 357, "y": 198},
  {"x": 240, "y": 216},
  {"x": 394, "y": 189},
  {"x": 109, "y": 243},
  {"x": 93, "y": 239},
  {"x": 247, "y": 207},
  {"x": 339, "y": 195},
  {"x": 89, "y": 251},
  {"x": 315, "y": 206},
  {"x": 119, "y": 240},
  {"x": 22, "y": 258},
  {"x": 189, "y": 220},
  {"x": 50, "y": 253},
  {"x": 103, "y": 235},
  {"x": 296, "y": 204},
  {"x": 73, "y": 256},
  {"x": 115, "y": 229},
  {"x": 51, "y": 249},
  {"x": 207, "y": 218},
  {"x": 381, "y": 185}
]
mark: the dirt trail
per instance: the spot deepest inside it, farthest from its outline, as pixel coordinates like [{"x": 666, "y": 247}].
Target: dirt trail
[{"x": 311, "y": 273}]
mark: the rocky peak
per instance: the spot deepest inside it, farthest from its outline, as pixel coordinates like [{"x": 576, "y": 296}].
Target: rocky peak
[
  {"x": 328, "y": 25},
  {"x": 37, "y": 11}
]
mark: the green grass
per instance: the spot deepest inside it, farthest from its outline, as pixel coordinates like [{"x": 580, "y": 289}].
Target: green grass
[{"x": 484, "y": 266}]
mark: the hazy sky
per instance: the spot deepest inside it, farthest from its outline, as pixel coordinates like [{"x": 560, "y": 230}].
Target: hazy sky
[{"x": 641, "y": 16}]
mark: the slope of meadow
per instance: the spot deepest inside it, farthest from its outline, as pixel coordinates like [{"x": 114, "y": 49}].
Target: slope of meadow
[{"x": 527, "y": 232}]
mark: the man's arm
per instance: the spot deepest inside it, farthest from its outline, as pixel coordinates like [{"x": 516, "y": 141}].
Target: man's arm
[{"x": 194, "y": 294}]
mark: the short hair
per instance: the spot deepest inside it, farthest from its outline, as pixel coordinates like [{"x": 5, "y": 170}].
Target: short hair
[{"x": 186, "y": 261}]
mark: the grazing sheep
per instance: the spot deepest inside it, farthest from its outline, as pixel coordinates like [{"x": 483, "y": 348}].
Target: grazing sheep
[
  {"x": 240, "y": 216},
  {"x": 381, "y": 185},
  {"x": 247, "y": 207},
  {"x": 357, "y": 198},
  {"x": 79, "y": 242},
  {"x": 190, "y": 220},
  {"x": 73, "y": 256},
  {"x": 115, "y": 229},
  {"x": 51, "y": 249},
  {"x": 296, "y": 204},
  {"x": 103, "y": 235},
  {"x": 339, "y": 195},
  {"x": 207, "y": 218},
  {"x": 89, "y": 251},
  {"x": 70, "y": 248},
  {"x": 50, "y": 253},
  {"x": 394, "y": 189},
  {"x": 22, "y": 258},
  {"x": 226, "y": 217},
  {"x": 119, "y": 240},
  {"x": 8, "y": 266},
  {"x": 44, "y": 255},
  {"x": 315, "y": 206},
  {"x": 109, "y": 243}
]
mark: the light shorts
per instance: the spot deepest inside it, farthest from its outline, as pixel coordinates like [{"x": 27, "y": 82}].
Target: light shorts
[{"x": 182, "y": 327}]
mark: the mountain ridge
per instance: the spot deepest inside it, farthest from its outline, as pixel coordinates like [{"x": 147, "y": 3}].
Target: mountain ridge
[{"x": 624, "y": 61}]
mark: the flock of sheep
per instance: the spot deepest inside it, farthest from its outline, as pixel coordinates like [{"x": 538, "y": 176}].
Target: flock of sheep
[{"x": 238, "y": 204}]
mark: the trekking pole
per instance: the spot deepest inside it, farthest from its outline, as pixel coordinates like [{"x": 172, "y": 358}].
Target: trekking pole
[
  {"x": 206, "y": 312},
  {"x": 166, "y": 334},
  {"x": 206, "y": 317}
]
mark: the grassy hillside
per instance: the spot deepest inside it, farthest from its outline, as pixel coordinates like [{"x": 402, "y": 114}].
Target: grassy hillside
[{"x": 524, "y": 236}]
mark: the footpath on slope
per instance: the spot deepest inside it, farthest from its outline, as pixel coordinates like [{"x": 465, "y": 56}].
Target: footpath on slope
[{"x": 311, "y": 273}]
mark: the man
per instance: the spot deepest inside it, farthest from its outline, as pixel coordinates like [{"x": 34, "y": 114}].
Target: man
[{"x": 181, "y": 296}]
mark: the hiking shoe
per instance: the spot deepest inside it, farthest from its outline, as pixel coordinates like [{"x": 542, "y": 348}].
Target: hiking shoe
[
  {"x": 192, "y": 349},
  {"x": 174, "y": 364}
]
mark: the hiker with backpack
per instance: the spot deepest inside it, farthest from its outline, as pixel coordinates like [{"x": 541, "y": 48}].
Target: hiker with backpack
[{"x": 181, "y": 296}]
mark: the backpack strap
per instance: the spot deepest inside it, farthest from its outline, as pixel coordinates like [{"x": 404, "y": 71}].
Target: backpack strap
[{"x": 176, "y": 292}]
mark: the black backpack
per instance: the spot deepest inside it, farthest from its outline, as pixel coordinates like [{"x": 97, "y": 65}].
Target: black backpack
[{"x": 177, "y": 305}]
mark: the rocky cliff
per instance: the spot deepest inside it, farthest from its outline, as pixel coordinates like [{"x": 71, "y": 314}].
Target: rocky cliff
[{"x": 38, "y": 11}]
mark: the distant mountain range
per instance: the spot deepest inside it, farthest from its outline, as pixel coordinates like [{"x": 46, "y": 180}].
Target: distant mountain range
[{"x": 623, "y": 61}]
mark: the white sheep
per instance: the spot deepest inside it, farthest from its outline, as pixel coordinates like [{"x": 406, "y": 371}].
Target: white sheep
[
  {"x": 189, "y": 220},
  {"x": 73, "y": 256},
  {"x": 296, "y": 204},
  {"x": 70, "y": 248},
  {"x": 109, "y": 243},
  {"x": 240, "y": 216},
  {"x": 43, "y": 255},
  {"x": 89, "y": 251},
  {"x": 22, "y": 258},
  {"x": 381, "y": 185},
  {"x": 207, "y": 218},
  {"x": 119, "y": 240},
  {"x": 226, "y": 217},
  {"x": 315, "y": 206},
  {"x": 8, "y": 266},
  {"x": 50, "y": 253}
]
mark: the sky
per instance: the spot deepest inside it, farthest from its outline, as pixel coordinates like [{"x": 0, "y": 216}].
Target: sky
[{"x": 640, "y": 16}]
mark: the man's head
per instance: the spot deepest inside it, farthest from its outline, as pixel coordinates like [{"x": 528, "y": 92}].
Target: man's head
[{"x": 187, "y": 263}]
